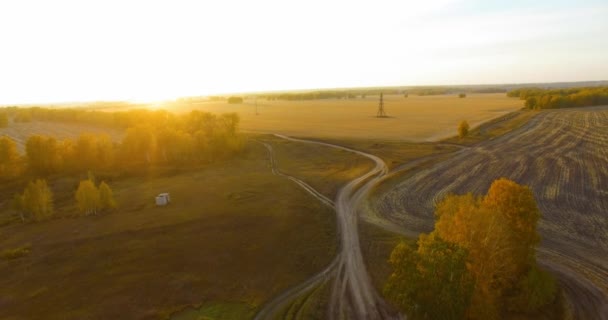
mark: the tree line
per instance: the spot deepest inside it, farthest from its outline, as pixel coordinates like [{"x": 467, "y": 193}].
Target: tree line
[
  {"x": 478, "y": 263},
  {"x": 112, "y": 119},
  {"x": 537, "y": 98},
  {"x": 190, "y": 139},
  {"x": 36, "y": 201},
  {"x": 194, "y": 138}
]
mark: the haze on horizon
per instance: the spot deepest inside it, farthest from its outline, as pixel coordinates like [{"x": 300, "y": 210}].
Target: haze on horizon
[{"x": 67, "y": 50}]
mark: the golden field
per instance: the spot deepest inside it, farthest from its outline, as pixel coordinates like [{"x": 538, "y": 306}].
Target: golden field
[{"x": 416, "y": 118}]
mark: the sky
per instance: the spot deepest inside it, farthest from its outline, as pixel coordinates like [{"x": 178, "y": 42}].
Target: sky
[{"x": 87, "y": 50}]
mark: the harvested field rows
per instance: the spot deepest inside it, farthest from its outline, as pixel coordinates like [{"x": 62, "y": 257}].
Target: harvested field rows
[{"x": 563, "y": 156}]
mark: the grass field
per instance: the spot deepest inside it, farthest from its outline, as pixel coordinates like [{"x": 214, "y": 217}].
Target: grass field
[
  {"x": 416, "y": 118},
  {"x": 325, "y": 169},
  {"x": 235, "y": 236}
]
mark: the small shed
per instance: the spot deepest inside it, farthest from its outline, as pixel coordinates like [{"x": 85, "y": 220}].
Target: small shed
[{"x": 163, "y": 199}]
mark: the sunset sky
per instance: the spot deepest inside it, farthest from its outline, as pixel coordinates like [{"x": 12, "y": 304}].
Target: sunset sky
[{"x": 57, "y": 51}]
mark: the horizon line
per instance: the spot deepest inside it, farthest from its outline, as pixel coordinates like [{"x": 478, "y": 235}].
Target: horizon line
[{"x": 271, "y": 91}]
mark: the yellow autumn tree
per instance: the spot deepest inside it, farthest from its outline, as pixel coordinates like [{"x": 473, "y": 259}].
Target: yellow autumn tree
[
  {"x": 106, "y": 197},
  {"x": 87, "y": 197},
  {"x": 463, "y": 129},
  {"x": 38, "y": 200},
  {"x": 491, "y": 260},
  {"x": 10, "y": 165},
  {"x": 498, "y": 233}
]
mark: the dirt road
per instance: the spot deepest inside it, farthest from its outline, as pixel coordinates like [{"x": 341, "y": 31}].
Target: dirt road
[
  {"x": 563, "y": 156},
  {"x": 273, "y": 308},
  {"x": 353, "y": 296}
]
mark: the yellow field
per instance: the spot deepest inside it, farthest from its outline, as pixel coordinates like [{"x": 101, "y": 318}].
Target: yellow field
[{"x": 416, "y": 118}]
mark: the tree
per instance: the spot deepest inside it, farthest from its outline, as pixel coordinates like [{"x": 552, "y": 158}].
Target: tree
[
  {"x": 139, "y": 145},
  {"x": 86, "y": 151},
  {"x": 517, "y": 205},
  {"x": 18, "y": 205},
  {"x": 3, "y": 119},
  {"x": 235, "y": 100},
  {"x": 9, "y": 158},
  {"x": 105, "y": 152},
  {"x": 106, "y": 197},
  {"x": 498, "y": 233},
  {"x": 42, "y": 154},
  {"x": 38, "y": 200},
  {"x": 87, "y": 197},
  {"x": 531, "y": 103},
  {"x": 432, "y": 282},
  {"x": 463, "y": 129},
  {"x": 491, "y": 261}
]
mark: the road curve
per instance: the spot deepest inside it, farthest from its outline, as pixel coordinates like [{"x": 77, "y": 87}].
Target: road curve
[
  {"x": 353, "y": 294},
  {"x": 280, "y": 302}
]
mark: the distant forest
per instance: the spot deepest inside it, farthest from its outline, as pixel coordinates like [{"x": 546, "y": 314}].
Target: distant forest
[
  {"x": 537, "y": 98},
  {"x": 363, "y": 93}
]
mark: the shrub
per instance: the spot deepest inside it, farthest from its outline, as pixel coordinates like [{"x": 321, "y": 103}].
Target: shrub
[
  {"x": 235, "y": 100},
  {"x": 10, "y": 254}
]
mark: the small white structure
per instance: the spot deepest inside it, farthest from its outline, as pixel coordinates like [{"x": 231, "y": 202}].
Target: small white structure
[{"x": 163, "y": 199}]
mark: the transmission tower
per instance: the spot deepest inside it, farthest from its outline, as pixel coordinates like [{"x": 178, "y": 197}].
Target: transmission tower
[{"x": 381, "y": 113}]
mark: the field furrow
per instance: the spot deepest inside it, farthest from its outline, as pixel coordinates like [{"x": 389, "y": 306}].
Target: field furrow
[{"x": 562, "y": 155}]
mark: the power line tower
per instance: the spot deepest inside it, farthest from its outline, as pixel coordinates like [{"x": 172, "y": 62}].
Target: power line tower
[{"x": 381, "y": 113}]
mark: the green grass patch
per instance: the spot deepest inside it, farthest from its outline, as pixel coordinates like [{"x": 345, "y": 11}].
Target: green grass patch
[{"x": 217, "y": 311}]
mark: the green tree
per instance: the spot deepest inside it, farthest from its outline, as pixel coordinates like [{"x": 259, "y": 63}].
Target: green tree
[
  {"x": 106, "y": 197},
  {"x": 431, "y": 282},
  {"x": 463, "y": 129},
  {"x": 38, "y": 200},
  {"x": 87, "y": 197}
]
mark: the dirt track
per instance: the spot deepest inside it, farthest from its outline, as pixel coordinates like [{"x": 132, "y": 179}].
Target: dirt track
[
  {"x": 353, "y": 295},
  {"x": 563, "y": 156},
  {"x": 272, "y": 309}
]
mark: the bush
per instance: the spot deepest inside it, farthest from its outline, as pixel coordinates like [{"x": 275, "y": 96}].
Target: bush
[
  {"x": 462, "y": 95},
  {"x": 235, "y": 100},
  {"x": 463, "y": 129},
  {"x": 10, "y": 254}
]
